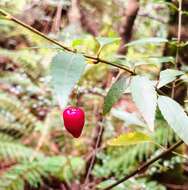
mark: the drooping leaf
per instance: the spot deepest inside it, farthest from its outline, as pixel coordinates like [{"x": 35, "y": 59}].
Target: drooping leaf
[
  {"x": 154, "y": 40},
  {"x": 168, "y": 76},
  {"x": 66, "y": 69},
  {"x": 145, "y": 97},
  {"x": 175, "y": 116},
  {"x": 114, "y": 93},
  {"x": 130, "y": 139}
]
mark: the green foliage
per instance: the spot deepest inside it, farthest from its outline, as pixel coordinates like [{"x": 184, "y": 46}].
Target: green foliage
[
  {"x": 145, "y": 97},
  {"x": 168, "y": 76},
  {"x": 32, "y": 137},
  {"x": 114, "y": 93},
  {"x": 120, "y": 161},
  {"x": 34, "y": 172},
  {"x": 66, "y": 69},
  {"x": 26, "y": 120},
  {"x": 175, "y": 116},
  {"x": 16, "y": 151},
  {"x": 147, "y": 41},
  {"x": 141, "y": 183}
]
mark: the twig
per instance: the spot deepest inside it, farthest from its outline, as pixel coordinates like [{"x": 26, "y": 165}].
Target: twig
[
  {"x": 96, "y": 59},
  {"x": 145, "y": 165},
  {"x": 94, "y": 155}
]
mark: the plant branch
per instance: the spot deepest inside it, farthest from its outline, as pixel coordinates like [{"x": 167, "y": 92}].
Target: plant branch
[
  {"x": 145, "y": 165},
  {"x": 96, "y": 59},
  {"x": 92, "y": 162}
]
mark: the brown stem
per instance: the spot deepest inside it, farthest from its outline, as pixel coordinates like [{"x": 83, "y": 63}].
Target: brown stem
[{"x": 145, "y": 165}]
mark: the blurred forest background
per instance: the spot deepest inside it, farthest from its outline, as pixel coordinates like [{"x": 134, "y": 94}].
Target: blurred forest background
[{"x": 36, "y": 152}]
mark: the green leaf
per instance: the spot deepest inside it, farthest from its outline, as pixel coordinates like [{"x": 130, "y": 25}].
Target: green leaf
[
  {"x": 128, "y": 118},
  {"x": 145, "y": 97},
  {"x": 175, "y": 116},
  {"x": 130, "y": 139},
  {"x": 114, "y": 94},
  {"x": 103, "y": 41},
  {"x": 77, "y": 42},
  {"x": 66, "y": 69},
  {"x": 147, "y": 41},
  {"x": 168, "y": 76}
]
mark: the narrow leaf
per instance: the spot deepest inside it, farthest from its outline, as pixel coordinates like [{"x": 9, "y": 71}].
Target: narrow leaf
[
  {"x": 66, "y": 69},
  {"x": 103, "y": 41},
  {"x": 114, "y": 94},
  {"x": 175, "y": 116},
  {"x": 144, "y": 41},
  {"x": 130, "y": 139},
  {"x": 168, "y": 76},
  {"x": 145, "y": 97}
]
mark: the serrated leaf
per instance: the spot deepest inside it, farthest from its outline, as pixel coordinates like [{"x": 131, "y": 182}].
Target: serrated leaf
[
  {"x": 145, "y": 97},
  {"x": 147, "y": 41},
  {"x": 114, "y": 93},
  {"x": 130, "y": 139},
  {"x": 168, "y": 76},
  {"x": 66, "y": 69},
  {"x": 175, "y": 116},
  {"x": 103, "y": 41}
]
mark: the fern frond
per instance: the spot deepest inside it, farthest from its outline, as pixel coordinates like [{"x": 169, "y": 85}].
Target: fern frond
[
  {"x": 22, "y": 116},
  {"x": 120, "y": 161},
  {"x": 15, "y": 178},
  {"x": 34, "y": 172},
  {"x": 15, "y": 151},
  {"x": 9, "y": 128},
  {"x": 5, "y": 137},
  {"x": 13, "y": 78},
  {"x": 28, "y": 61}
]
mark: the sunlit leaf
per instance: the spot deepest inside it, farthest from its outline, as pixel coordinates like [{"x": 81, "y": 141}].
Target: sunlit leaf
[
  {"x": 130, "y": 139},
  {"x": 66, "y": 69},
  {"x": 103, "y": 41},
  {"x": 175, "y": 116},
  {"x": 168, "y": 76},
  {"x": 145, "y": 97}
]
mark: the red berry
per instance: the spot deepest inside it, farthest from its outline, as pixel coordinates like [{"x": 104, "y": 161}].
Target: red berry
[{"x": 74, "y": 119}]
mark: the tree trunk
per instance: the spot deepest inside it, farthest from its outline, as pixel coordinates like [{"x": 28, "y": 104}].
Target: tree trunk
[{"x": 127, "y": 24}]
